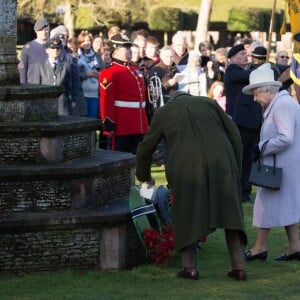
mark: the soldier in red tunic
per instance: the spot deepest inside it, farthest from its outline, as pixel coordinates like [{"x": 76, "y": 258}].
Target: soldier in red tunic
[{"x": 123, "y": 98}]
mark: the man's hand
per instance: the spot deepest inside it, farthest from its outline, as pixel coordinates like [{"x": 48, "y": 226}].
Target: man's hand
[{"x": 150, "y": 182}]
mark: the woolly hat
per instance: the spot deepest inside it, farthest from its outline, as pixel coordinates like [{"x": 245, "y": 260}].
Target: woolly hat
[
  {"x": 61, "y": 29},
  {"x": 262, "y": 76},
  {"x": 193, "y": 54}
]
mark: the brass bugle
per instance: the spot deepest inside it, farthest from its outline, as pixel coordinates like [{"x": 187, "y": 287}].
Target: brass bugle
[{"x": 155, "y": 95}]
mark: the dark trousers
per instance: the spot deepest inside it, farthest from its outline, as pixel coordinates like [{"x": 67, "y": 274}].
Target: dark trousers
[
  {"x": 104, "y": 141},
  {"x": 235, "y": 246},
  {"x": 127, "y": 143},
  {"x": 250, "y": 138}
]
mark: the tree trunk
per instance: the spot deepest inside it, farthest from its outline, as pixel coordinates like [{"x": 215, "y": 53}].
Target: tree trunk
[
  {"x": 202, "y": 25},
  {"x": 69, "y": 18},
  {"x": 165, "y": 38}
]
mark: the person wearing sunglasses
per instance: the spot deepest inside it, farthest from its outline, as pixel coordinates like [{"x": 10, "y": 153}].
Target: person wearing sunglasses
[
  {"x": 282, "y": 58},
  {"x": 282, "y": 61}
]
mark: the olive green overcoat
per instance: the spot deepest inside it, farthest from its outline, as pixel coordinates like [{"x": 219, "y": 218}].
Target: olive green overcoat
[{"x": 203, "y": 163}]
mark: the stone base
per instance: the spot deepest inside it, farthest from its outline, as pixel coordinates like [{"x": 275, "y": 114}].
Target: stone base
[
  {"x": 103, "y": 238},
  {"x": 97, "y": 180},
  {"x": 60, "y": 140},
  {"x": 29, "y": 102},
  {"x": 71, "y": 215}
]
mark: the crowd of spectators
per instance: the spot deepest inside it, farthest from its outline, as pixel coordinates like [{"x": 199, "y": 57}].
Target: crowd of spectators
[{"x": 125, "y": 78}]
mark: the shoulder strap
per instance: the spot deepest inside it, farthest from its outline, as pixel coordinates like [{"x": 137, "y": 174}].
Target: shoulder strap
[
  {"x": 264, "y": 147},
  {"x": 262, "y": 152}
]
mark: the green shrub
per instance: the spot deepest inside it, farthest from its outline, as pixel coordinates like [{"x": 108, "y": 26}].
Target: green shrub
[
  {"x": 253, "y": 19},
  {"x": 189, "y": 20},
  {"x": 165, "y": 19}
]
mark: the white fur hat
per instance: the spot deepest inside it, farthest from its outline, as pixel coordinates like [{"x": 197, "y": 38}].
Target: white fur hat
[
  {"x": 193, "y": 54},
  {"x": 262, "y": 76},
  {"x": 61, "y": 29}
]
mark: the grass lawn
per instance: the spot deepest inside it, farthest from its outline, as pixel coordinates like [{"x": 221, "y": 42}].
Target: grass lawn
[{"x": 266, "y": 280}]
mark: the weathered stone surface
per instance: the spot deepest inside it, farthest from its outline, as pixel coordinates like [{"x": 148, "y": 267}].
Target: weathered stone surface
[
  {"x": 71, "y": 215},
  {"x": 8, "y": 40},
  {"x": 100, "y": 239},
  {"x": 98, "y": 180},
  {"x": 63, "y": 204},
  {"x": 29, "y": 103},
  {"x": 59, "y": 140}
]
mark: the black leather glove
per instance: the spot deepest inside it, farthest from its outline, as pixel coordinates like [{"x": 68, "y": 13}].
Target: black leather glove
[{"x": 108, "y": 125}]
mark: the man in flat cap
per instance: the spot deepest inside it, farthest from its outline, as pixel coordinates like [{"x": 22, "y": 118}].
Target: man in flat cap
[
  {"x": 34, "y": 51},
  {"x": 244, "y": 111},
  {"x": 123, "y": 98},
  {"x": 54, "y": 72}
]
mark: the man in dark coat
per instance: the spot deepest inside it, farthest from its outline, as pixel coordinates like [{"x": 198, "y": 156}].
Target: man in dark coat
[
  {"x": 203, "y": 161},
  {"x": 245, "y": 112},
  {"x": 78, "y": 103},
  {"x": 54, "y": 72},
  {"x": 165, "y": 70},
  {"x": 181, "y": 53}
]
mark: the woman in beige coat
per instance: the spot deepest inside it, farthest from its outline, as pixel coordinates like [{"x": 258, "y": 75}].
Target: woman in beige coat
[{"x": 281, "y": 128}]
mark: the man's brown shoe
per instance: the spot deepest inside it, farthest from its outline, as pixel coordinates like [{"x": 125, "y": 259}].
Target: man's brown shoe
[
  {"x": 237, "y": 274},
  {"x": 188, "y": 273}
]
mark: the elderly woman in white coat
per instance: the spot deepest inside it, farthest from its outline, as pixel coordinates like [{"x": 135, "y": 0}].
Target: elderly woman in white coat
[
  {"x": 281, "y": 128},
  {"x": 194, "y": 80}
]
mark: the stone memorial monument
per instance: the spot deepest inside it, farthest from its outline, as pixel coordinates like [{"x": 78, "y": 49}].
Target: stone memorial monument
[{"x": 63, "y": 203}]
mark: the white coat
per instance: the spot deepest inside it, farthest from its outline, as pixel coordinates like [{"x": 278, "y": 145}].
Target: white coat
[
  {"x": 281, "y": 127},
  {"x": 194, "y": 82}
]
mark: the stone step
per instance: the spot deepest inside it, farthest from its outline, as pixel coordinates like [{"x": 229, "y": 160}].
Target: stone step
[
  {"x": 82, "y": 183},
  {"x": 59, "y": 140},
  {"x": 102, "y": 238},
  {"x": 28, "y": 102}
]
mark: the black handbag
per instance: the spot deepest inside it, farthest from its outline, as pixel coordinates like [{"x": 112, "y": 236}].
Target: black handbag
[{"x": 264, "y": 175}]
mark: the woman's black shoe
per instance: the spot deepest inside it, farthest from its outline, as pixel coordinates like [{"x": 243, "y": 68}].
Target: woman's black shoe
[
  {"x": 284, "y": 257},
  {"x": 262, "y": 256}
]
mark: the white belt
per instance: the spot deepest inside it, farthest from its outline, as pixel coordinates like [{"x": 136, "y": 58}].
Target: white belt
[{"x": 130, "y": 104}]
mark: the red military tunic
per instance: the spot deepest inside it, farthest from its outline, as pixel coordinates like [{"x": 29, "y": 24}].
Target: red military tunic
[{"x": 123, "y": 99}]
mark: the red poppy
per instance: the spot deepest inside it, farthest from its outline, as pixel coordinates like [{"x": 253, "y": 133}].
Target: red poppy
[{"x": 160, "y": 245}]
